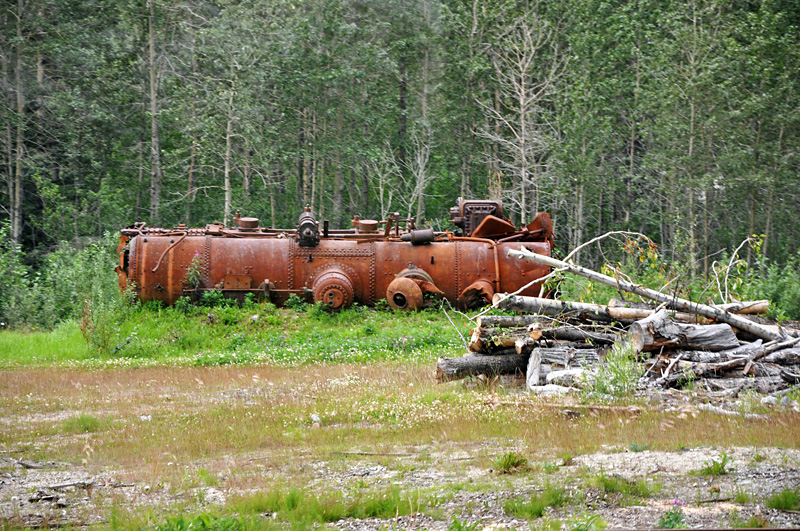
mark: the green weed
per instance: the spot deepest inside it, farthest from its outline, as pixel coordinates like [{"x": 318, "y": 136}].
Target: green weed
[
  {"x": 298, "y": 506},
  {"x": 203, "y": 522},
  {"x": 535, "y": 506},
  {"x": 460, "y": 525},
  {"x": 717, "y": 468},
  {"x": 83, "y": 424},
  {"x": 756, "y": 521},
  {"x": 673, "y": 518},
  {"x": 589, "y": 523},
  {"x": 639, "y": 447},
  {"x": 618, "y": 375},
  {"x": 510, "y": 462},
  {"x": 207, "y": 478},
  {"x": 785, "y": 500},
  {"x": 615, "y": 484},
  {"x": 741, "y": 497}
]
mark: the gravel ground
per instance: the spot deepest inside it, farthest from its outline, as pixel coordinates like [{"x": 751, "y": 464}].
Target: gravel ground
[{"x": 42, "y": 494}]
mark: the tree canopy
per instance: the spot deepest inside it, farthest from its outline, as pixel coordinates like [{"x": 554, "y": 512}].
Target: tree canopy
[{"x": 677, "y": 119}]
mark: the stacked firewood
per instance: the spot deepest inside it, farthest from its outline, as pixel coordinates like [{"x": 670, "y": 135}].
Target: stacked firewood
[
  {"x": 717, "y": 356},
  {"x": 554, "y": 341},
  {"x": 506, "y": 344}
]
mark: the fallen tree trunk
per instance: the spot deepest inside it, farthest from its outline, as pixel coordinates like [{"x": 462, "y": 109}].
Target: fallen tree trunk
[
  {"x": 455, "y": 368},
  {"x": 741, "y": 308},
  {"x": 677, "y": 303},
  {"x": 702, "y": 356},
  {"x": 763, "y": 385},
  {"x": 745, "y": 307},
  {"x": 552, "y": 307},
  {"x": 525, "y": 345},
  {"x": 506, "y": 320},
  {"x": 488, "y": 339},
  {"x": 569, "y": 357},
  {"x": 646, "y": 309},
  {"x": 581, "y": 310},
  {"x": 789, "y": 356},
  {"x": 577, "y": 334},
  {"x": 659, "y": 331}
]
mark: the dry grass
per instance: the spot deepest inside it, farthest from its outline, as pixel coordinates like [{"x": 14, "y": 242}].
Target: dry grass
[
  {"x": 262, "y": 429},
  {"x": 153, "y": 417}
]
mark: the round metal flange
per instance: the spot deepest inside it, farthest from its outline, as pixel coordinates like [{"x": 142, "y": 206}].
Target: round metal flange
[
  {"x": 248, "y": 223},
  {"x": 333, "y": 289},
  {"x": 415, "y": 272},
  {"x": 404, "y": 294}
]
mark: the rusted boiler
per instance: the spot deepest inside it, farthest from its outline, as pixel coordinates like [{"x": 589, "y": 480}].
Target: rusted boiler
[{"x": 389, "y": 259}]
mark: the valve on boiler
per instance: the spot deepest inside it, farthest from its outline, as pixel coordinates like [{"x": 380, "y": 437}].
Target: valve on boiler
[{"x": 307, "y": 229}]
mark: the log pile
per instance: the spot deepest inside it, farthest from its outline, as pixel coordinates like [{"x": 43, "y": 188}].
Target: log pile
[{"x": 719, "y": 348}]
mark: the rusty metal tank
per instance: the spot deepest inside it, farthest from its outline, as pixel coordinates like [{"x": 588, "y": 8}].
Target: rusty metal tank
[{"x": 389, "y": 259}]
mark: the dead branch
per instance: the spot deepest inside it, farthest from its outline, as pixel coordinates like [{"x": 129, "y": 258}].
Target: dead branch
[{"x": 673, "y": 301}]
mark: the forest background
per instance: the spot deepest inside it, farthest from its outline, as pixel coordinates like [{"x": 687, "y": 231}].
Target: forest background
[{"x": 677, "y": 119}]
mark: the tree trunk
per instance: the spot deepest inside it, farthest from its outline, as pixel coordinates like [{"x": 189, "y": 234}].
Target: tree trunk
[
  {"x": 455, "y": 368},
  {"x": 484, "y": 339},
  {"x": 789, "y": 356},
  {"x": 587, "y": 312},
  {"x": 659, "y": 331},
  {"x": 506, "y": 320},
  {"x": 16, "y": 199},
  {"x": 402, "y": 107},
  {"x": 156, "y": 176},
  {"x": 307, "y": 140},
  {"x": 338, "y": 191},
  {"x": 674, "y": 302},
  {"x": 569, "y": 357},
  {"x": 226, "y": 217},
  {"x": 742, "y": 308}
]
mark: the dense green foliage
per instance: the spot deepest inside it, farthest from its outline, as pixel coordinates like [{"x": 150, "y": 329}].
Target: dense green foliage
[{"x": 677, "y": 119}]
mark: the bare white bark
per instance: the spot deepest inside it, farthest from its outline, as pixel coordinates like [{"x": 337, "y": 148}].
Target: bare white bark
[
  {"x": 671, "y": 300},
  {"x": 527, "y": 64}
]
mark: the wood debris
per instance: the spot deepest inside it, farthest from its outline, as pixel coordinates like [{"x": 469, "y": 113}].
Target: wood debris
[{"x": 678, "y": 342}]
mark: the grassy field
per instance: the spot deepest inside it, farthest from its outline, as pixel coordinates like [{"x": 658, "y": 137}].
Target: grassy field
[
  {"x": 300, "y": 420},
  {"x": 257, "y": 333}
]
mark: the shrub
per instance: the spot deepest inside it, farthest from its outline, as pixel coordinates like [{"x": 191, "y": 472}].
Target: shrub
[
  {"x": 296, "y": 303},
  {"x": 70, "y": 283}
]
